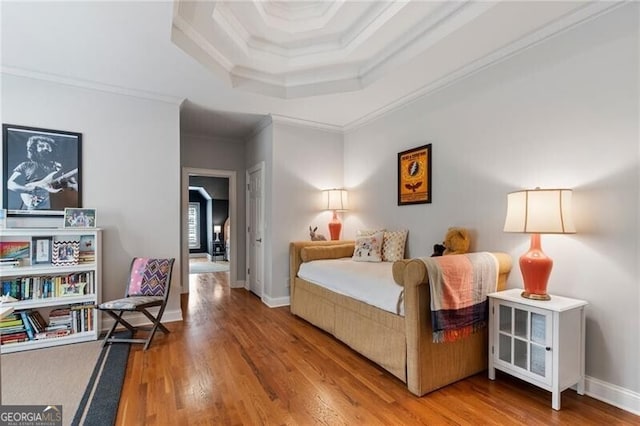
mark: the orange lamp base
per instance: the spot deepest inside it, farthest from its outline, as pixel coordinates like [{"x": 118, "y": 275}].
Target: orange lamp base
[
  {"x": 335, "y": 227},
  {"x": 536, "y": 268}
]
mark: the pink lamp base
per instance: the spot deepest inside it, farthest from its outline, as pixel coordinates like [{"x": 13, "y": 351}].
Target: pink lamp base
[
  {"x": 335, "y": 227},
  {"x": 536, "y": 268}
]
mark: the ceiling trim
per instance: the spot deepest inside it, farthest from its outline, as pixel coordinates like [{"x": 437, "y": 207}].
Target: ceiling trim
[
  {"x": 588, "y": 12},
  {"x": 292, "y": 121},
  {"x": 85, "y": 84}
]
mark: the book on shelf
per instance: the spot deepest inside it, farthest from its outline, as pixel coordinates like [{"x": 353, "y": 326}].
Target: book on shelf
[
  {"x": 42, "y": 287},
  {"x": 14, "y": 338},
  {"x": 37, "y": 321},
  {"x": 27, "y": 325},
  {"x": 10, "y": 323},
  {"x": 12, "y": 329},
  {"x": 52, "y": 334}
]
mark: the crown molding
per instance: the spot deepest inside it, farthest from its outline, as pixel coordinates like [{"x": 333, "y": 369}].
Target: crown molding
[
  {"x": 308, "y": 124},
  {"x": 588, "y": 12},
  {"x": 91, "y": 85},
  {"x": 265, "y": 122}
]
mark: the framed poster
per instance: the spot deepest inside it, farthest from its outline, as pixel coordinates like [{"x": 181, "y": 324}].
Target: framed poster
[
  {"x": 414, "y": 176},
  {"x": 41, "y": 170}
]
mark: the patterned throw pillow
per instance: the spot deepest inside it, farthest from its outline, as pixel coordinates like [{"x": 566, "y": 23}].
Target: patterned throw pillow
[
  {"x": 368, "y": 232},
  {"x": 393, "y": 245},
  {"x": 369, "y": 248}
]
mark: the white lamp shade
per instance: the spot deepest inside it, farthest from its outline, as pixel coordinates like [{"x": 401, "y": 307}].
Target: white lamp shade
[
  {"x": 540, "y": 211},
  {"x": 336, "y": 199},
  {"x": 217, "y": 228}
]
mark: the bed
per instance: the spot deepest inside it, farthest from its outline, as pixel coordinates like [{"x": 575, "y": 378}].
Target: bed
[{"x": 397, "y": 336}]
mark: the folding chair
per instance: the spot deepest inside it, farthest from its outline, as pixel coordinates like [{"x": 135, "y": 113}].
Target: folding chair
[{"x": 149, "y": 284}]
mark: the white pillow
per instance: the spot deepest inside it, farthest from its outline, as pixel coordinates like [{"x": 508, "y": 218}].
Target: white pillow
[
  {"x": 369, "y": 248},
  {"x": 393, "y": 245}
]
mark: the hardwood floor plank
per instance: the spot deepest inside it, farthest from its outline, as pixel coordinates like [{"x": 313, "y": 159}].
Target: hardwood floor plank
[{"x": 234, "y": 361}]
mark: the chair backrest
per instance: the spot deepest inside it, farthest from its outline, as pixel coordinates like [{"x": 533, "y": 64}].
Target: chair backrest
[{"x": 150, "y": 277}]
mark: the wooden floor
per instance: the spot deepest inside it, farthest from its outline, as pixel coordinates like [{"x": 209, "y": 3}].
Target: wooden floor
[{"x": 234, "y": 361}]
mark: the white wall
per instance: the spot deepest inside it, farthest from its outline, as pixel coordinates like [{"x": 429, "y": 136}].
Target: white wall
[
  {"x": 130, "y": 169},
  {"x": 299, "y": 161},
  {"x": 305, "y": 161},
  {"x": 563, "y": 114}
]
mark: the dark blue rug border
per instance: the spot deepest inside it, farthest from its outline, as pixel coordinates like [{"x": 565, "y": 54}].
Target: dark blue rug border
[{"x": 103, "y": 408}]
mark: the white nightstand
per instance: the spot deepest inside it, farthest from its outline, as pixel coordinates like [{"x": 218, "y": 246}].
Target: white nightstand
[{"x": 541, "y": 342}]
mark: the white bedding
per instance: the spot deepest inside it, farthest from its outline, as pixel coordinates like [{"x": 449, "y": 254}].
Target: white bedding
[{"x": 368, "y": 282}]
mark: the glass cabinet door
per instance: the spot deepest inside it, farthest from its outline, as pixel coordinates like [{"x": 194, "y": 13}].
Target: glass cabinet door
[{"x": 523, "y": 336}]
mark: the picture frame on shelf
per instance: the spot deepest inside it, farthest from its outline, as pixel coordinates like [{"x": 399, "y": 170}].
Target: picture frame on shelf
[
  {"x": 41, "y": 250},
  {"x": 73, "y": 289},
  {"x": 65, "y": 253},
  {"x": 414, "y": 176},
  {"x": 79, "y": 218},
  {"x": 87, "y": 249},
  {"x": 15, "y": 250},
  {"x": 42, "y": 170}
]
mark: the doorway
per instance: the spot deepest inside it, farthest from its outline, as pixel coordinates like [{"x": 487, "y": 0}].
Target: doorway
[{"x": 188, "y": 172}]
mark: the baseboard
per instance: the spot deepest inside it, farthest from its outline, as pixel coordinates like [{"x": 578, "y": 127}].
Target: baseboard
[
  {"x": 276, "y": 302},
  {"x": 238, "y": 284},
  {"x": 617, "y": 396},
  {"x": 138, "y": 319}
]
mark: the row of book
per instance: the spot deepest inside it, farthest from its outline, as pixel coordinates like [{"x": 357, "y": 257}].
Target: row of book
[
  {"x": 28, "y": 325},
  {"x": 42, "y": 287}
]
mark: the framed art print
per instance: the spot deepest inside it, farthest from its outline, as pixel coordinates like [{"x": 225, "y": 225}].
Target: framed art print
[
  {"x": 414, "y": 176},
  {"x": 41, "y": 170},
  {"x": 41, "y": 250}
]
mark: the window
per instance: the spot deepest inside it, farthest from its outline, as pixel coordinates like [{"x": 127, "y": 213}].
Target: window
[{"x": 194, "y": 225}]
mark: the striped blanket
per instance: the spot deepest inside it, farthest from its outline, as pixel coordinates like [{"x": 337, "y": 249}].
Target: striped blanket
[{"x": 459, "y": 286}]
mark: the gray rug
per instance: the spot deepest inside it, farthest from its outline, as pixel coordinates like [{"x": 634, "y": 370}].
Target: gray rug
[
  {"x": 204, "y": 267},
  {"x": 64, "y": 375}
]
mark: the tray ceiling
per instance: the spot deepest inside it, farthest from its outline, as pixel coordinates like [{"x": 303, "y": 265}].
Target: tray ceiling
[{"x": 294, "y": 49}]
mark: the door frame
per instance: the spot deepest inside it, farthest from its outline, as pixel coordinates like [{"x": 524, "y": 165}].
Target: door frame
[
  {"x": 259, "y": 167},
  {"x": 229, "y": 174}
]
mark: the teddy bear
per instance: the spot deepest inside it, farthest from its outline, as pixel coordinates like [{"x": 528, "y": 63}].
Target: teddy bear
[{"x": 456, "y": 241}]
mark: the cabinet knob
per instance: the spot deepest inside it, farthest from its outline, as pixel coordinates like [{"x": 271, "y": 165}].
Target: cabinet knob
[{"x": 548, "y": 348}]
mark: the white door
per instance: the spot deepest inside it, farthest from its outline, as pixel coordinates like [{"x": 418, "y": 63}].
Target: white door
[{"x": 255, "y": 223}]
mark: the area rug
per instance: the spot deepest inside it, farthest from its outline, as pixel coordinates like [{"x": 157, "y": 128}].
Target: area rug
[
  {"x": 62, "y": 375},
  {"x": 204, "y": 267},
  {"x": 99, "y": 404}
]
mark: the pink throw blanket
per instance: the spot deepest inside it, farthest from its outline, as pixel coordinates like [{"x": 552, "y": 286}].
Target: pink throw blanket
[{"x": 459, "y": 286}]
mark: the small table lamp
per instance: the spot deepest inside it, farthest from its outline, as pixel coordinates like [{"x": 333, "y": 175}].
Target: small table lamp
[
  {"x": 538, "y": 211},
  {"x": 336, "y": 200},
  {"x": 216, "y": 230}
]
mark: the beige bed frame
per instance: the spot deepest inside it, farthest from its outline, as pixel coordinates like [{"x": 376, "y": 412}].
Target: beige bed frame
[{"x": 401, "y": 345}]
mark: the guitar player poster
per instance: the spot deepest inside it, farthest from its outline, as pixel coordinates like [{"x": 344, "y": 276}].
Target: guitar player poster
[{"x": 41, "y": 170}]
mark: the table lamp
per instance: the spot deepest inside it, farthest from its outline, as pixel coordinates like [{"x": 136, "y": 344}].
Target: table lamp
[
  {"x": 336, "y": 200},
  {"x": 538, "y": 211},
  {"x": 216, "y": 230}
]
